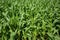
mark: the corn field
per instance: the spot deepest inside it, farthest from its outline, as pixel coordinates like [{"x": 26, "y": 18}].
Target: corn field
[{"x": 29, "y": 19}]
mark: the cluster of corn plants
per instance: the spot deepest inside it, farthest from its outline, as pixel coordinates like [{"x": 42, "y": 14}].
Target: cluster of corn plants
[{"x": 29, "y": 19}]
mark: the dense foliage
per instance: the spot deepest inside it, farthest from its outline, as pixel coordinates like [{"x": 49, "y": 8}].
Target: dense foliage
[{"x": 29, "y": 19}]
